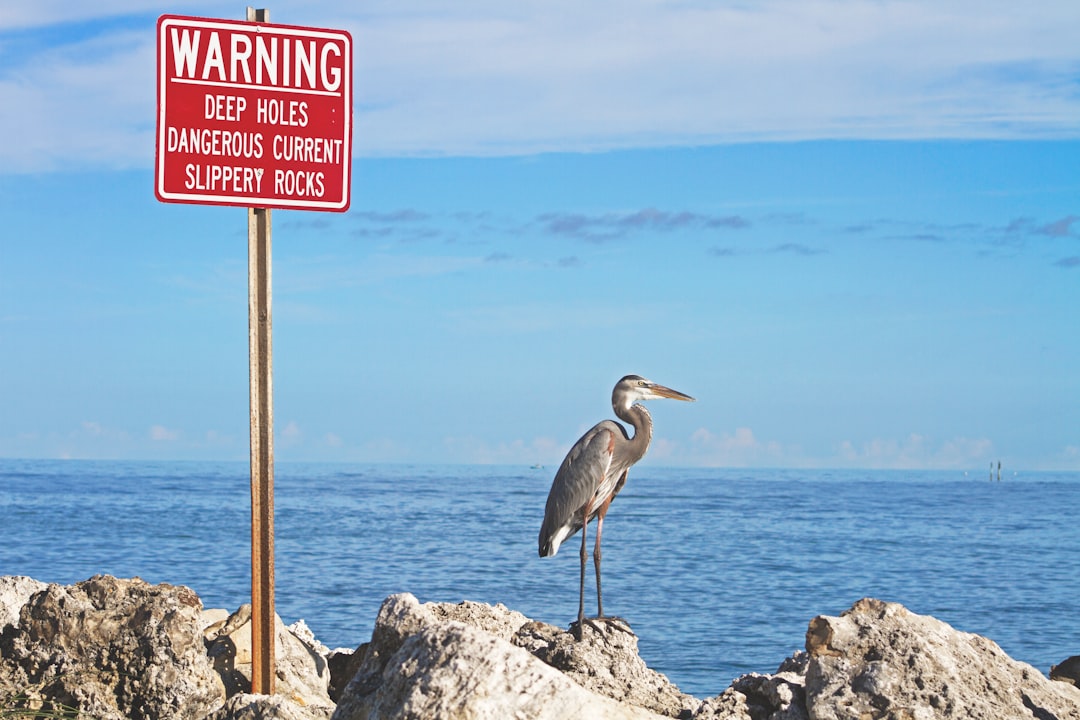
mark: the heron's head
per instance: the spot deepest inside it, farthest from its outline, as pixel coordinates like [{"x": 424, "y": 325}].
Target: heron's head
[{"x": 633, "y": 388}]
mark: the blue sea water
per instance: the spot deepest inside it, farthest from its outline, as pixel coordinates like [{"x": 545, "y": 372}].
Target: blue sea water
[{"x": 717, "y": 571}]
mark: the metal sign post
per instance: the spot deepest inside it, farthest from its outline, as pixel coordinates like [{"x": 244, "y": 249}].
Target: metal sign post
[
  {"x": 260, "y": 353},
  {"x": 260, "y": 378}
]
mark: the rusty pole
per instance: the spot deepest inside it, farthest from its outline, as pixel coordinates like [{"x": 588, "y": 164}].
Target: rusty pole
[{"x": 260, "y": 353}]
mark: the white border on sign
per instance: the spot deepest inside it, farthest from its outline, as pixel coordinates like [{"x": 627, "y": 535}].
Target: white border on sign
[{"x": 288, "y": 30}]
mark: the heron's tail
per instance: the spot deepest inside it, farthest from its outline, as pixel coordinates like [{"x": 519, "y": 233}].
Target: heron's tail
[
  {"x": 550, "y": 541},
  {"x": 547, "y": 548}
]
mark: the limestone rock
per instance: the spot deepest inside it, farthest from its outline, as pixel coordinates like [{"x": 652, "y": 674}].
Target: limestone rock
[
  {"x": 303, "y": 675},
  {"x": 879, "y": 660},
  {"x": 15, "y": 591},
  {"x": 762, "y": 697},
  {"x": 304, "y": 634},
  {"x": 212, "y": 620},
  {"x": 344, "y": 664},
  {"x": 469, "y": 660},
  {"x": 1067, "y": 671},
  {"x": 244, "y": 706},
  {"x": 606, "y": 661},
  {"x": 110, "y": 649},
  {"x": 497, "y": 620},
  {"x": 450, "y": 669}
]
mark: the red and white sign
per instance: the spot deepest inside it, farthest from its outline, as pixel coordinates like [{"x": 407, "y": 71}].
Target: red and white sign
[{"x": 253, "y": 114}]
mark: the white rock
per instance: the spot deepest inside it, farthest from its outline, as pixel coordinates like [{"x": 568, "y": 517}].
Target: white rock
[
  {"x": 451, "y": 670},
  {"x": 15, "y": 591},
  {"x": 303, "y": 675},
  {"x": 880, "y": 660}
]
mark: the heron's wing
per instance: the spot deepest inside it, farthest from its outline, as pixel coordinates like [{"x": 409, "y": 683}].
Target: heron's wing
[{"x": 576, "y": 483}]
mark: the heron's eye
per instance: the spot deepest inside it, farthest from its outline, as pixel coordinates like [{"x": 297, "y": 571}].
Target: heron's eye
[{"x": 641, "y": 383}]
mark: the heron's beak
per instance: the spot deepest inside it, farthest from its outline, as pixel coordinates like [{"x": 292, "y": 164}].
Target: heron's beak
[{"x": 666, "y": 392}]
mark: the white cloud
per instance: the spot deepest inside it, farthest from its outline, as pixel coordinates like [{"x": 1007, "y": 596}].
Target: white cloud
[
  {"x": 160, "y": 433},
  {"x": 18, "y": 15},
  {"x": 482, "y": 78},
  {"x": 471, "y": 450},
  {"x": 917, "y": 452},
  {"x": 739, "y": 449},
  {"x": 1067, "y": 459},
  {"x": 605, "y": 75},
  {"x": 742, "y": 448},
  {"x": 89, "y": 104},
  {"x": 291, "y": 434}
]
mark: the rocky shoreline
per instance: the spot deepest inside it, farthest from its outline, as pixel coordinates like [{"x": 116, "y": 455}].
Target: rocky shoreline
[{"x": 122, "y": 648}]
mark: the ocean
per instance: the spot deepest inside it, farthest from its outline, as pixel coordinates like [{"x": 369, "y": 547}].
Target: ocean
[{"x": 717, "y": 571}]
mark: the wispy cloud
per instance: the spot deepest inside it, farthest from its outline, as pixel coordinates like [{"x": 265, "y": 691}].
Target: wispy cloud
[
  {"x": 413, "y": 225},
  {"x": 740, "y": 448},
  {"x": 403, "y": 225},
  {"x": 540, "y": 77},
  {"x": 473, "y": 450},
  {"x": 797, "y": 249},
  {"x": 743, "y": 448},
  {"x": 788, "y": 248},
  {"x": 89, "y": 103},
  {"x": 1061, "y": 228},
  {"x": 985, "y": 238},
  {"x": 160, "y": 433},
  {"x": 407, "y": 215},
  {"x": 917, "y": 452},
  {"x": 614, "y": 226},
  {"x": 318, "y": 223}
]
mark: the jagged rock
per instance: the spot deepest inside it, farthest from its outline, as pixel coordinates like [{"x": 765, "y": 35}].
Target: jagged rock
[
  {"x": 879, "y": 660},
  {"x": 1067, "y": 671},
  {"x": 15, "y": 591},
  {"x": 450, "y": 669},
  {"x": 244, "y": 706},
  {"x": 497, "y": 620},
  {"x": 213, "y": 619},
  {"x": 438, "y": 660},
  {"x": 303, "y": 675},
  {"x": 343, "y": 664},
  {"x": 304, "y": 634},
  {"x": 762, "y": 697},
  {"x": 110, "y": 649},
  {"x": 606, "y": 661}
]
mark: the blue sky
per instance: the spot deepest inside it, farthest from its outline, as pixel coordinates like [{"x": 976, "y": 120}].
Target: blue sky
[{"x": 850, "y": 229}]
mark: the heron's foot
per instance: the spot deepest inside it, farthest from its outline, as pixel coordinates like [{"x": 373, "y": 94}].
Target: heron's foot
[
  {"x": 614, "y": 622},
  {"x": 600, "y": 624}
]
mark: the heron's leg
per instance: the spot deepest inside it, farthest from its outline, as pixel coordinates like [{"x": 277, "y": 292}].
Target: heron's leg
[
  {"x": 581, "y": 585},
  {"x": 616, "y": 622},
  {"x": 596, "y": 554}
]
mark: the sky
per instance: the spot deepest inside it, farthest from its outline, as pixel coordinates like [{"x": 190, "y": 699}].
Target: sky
[{"x": 849, "y": 228}]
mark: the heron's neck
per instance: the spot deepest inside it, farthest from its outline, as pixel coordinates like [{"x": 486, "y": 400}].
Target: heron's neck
[{"x": 639, "y": 417}]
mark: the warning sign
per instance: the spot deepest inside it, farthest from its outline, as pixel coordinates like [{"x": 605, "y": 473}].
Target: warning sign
[{"x": 253, "y": 114}]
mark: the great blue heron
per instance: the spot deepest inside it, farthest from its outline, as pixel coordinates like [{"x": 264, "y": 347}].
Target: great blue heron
[{"x": 594, "y": 472}]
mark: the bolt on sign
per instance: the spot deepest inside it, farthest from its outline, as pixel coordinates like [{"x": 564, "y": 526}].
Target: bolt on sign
[{"x": 253, "y": 114}]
